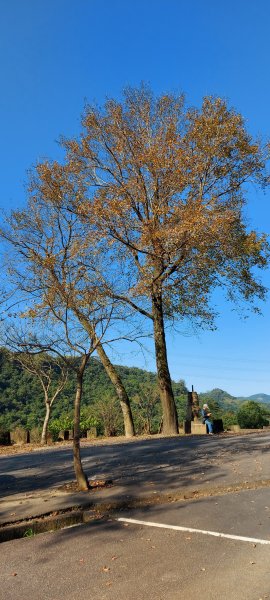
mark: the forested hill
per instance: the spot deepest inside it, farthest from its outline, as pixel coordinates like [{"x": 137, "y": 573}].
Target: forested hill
[
  {"x": 224, "y": 399},
  {"x": 262, "y": 398},
  {"x": 228, "y": 402},
  {"x": 21, "y": 396}
]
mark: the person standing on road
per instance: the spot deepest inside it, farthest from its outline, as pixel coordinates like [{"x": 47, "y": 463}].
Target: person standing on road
[{"x": 206, "y": 414}]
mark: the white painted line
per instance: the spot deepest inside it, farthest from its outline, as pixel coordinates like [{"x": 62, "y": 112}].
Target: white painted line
[{"x": 239, "y": 538}]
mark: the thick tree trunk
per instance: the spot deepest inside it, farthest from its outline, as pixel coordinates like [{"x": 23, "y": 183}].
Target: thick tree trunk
[
  {"x": 120, "y": 390},
  {"x": 44, "y": 434},
  {"x": 79, "y": 473},
  {"x": 170, "y": 420}
]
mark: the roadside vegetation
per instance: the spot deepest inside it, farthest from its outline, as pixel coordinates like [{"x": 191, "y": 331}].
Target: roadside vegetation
[{"x": 22, "y": 402}]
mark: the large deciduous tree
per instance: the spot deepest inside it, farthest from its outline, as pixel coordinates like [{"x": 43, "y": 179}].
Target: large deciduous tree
[{"x": 162, "y": 187}]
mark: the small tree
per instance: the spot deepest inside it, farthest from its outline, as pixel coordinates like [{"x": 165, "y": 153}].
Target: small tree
[
  {"x": 52, "y": 267},
  {"x": 251, "y": 416},
  {"x": 229, "y": 418},
  {"x": 52, "y": 375},
  {"x": 107, "y": 412},
  {"x": 146, "y": 403},
  {"x": 62, "y": 338}
]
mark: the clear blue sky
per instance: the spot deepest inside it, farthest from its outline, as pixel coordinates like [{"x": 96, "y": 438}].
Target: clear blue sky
[{"x": 56, "y": 54}]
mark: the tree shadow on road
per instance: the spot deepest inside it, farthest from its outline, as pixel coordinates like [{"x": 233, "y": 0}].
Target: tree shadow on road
[{"x": 150, "y": 466}]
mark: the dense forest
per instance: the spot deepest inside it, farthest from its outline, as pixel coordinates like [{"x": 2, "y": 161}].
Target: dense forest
[{"x": 22, "y": 401}]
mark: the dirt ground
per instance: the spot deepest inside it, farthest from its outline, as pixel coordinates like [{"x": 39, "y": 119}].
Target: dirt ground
[
  {"x": 100, "y": 441},
  {"x": 22, "y": 448}
]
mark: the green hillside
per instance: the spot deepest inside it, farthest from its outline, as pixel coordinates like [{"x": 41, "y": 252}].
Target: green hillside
[
  {"x": 22, "y": 403},
  {"x": 21, "y": 396},
  {"x": 224, "y": 399},
  {"x": 228, "y": 402}
]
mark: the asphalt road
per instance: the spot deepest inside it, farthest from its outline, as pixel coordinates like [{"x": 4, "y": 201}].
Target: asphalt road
[
  {"x": 113, "y": 560},
  {"x": 119, "y": 560},
  {"x": 163, "y": 463}
]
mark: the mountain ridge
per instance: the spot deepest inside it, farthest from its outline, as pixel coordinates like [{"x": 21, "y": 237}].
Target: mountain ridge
[{"x": 221, "y": 396}]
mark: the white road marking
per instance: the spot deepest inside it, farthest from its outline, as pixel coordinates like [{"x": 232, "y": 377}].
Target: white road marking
[{"x": 190, "y": 530}]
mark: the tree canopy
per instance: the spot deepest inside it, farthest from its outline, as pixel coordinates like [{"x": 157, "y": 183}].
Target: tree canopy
[{"x": 155, "y": 193}]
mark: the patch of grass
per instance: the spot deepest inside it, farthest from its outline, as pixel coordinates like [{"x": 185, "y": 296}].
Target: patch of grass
[{"x": 29, "y": 533}]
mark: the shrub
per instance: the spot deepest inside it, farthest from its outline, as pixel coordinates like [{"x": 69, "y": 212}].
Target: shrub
[
  {"x": 229, "y": 419},
  {"x": 63, "y": 423},
  {"x": 88, "y": 420},
  {"x": 251, "y": 416}
]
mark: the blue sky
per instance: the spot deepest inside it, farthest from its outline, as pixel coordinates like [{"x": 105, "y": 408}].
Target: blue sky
[{"x": 57, "y": 54}]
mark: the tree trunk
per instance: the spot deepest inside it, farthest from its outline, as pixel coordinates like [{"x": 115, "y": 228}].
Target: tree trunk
[
  {"x": 114, "y": 377},
  {"x": 79, "y": 473},
  {"x": 170, "y": 420},
  {"x": 120, "y": 390},
  {"x": 44, "y": 434}
]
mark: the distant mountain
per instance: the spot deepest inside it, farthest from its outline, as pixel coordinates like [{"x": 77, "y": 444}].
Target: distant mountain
[
  {"x": 217, "y": 394},
  {"x": 224, "y": 399},
  {"x": 263, "y": 398},
  {"x": 228, "y": 402}
]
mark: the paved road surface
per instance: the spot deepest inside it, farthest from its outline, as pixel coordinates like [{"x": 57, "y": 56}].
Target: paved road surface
[
  {"x": 118, "y": 560},
  {"x": 112, "y": 560},
  {"x": 160, "y": 464}
]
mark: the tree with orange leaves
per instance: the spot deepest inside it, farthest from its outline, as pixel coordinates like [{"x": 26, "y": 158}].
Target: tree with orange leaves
[
  {"x": 52, "y": 279},
  {"x": 160, "y": 191},
  {"x": 164, "y": 186}
]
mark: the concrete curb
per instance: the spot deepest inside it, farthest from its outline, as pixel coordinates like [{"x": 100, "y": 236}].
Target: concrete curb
[
  {"x": 39, "y": 525},
  {"x": 76, "y": 515}
]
